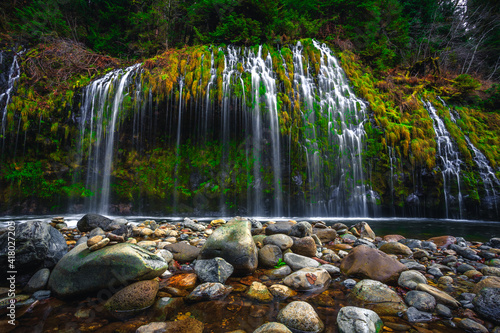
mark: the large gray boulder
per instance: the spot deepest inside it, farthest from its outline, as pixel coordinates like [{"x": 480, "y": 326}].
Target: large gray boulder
[
  {"x": 37, "y": 246},
  {"x": 92, "y": 221},
  {"x": 82, "y": 272},
  {"x": 352, "y": 319},
  {"x": 233, "y": 241}
]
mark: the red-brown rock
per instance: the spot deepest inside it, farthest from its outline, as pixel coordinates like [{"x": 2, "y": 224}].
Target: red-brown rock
[
  {"x": 443, "y": 241},
  {"x": 393, "y": 238},
  {"x": 372, "y": 264}
]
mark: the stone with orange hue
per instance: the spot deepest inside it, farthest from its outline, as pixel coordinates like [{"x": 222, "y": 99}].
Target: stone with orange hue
[
  {"x": 182, "y": 281},
  {"x": 373, "y": 264},
  {"x": 393, "y": 238},
  {"x": 137, "y": 296},
  {"x": 443, "y": 241},
  {"x": 345, "y": 247}
]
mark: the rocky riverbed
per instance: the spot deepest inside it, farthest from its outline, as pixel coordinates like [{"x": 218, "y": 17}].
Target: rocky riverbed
[{"x": 246, "y": 276}]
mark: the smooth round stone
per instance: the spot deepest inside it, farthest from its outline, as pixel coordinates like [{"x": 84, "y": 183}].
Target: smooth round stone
[
  {"x": 393, "y": 238},
  {"x": 415, "y": 316},
  {"x": 469, "y": 325},
  {"x": 440, "y": 296},
  {"x": 487, "y": 303},
  {"x": 491, "y": 271},
  {"x": 213, "y": 270},
  {"x": 166, "y": 254},
  {"x": 300, "y": 316},
  {"x": 281, "y": 272},
  {"x": 301, "y": 229},
  {"x": 41, "y": 294},
  {"x": 351, "y": 319},
  {"x": 444, "y": 311},
  {"x": 281, "y": 292},
  {"x": 137, "y": 296},
  {"x": 487, "y": 282},
  {"x": 209, "y": 291},
  {"x": 38, "y": 281},
  {"x": 464, "y": 268},
  {"x": 269, "y": 255},
  {"x": 349, "y": 283},
  {"x": 308, "y": 279},
  {"x": 472, "y": 274},
  {"x": 325, "y": 235},
  {"x": 378, "y": 297},
  {"x": 272, "y": 327},
  {"x": 396, "y": 248},
  {"x": 259, "y": 292},
  {"x": 435, "y": 271},
  {"x": 420, "y": 300},
  {"x": 297, "y": 262},
  {"x": 305, "y": 246},
  {"x": 410, "y": 279},
  {"x": 283, "y": 241},
  {"x": 102, "y": 243},
  {"x": 146, "y": 232}
]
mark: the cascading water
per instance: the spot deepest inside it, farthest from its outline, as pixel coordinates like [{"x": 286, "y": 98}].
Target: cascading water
[
  {"x": 240, "y": 104},
  {"x": 5, "y": 97},
  {"x": 449, "y": 161},
  {"x": 101, "y": 110}
]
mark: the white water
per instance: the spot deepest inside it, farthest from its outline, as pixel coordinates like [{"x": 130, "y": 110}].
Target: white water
[
  {"x": 5, "y": 97},
  {"x": 449, "y": 159}
]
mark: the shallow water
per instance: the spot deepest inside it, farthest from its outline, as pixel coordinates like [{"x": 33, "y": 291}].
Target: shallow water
[{"x": 419, "y": 228}]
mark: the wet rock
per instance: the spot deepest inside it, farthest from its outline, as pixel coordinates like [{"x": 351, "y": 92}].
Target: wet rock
[
  {"x": 364, "y": 241},
  {"x": 96, "y": 232},
  {"x": 296, "y": 261},
  {"x": 440, "y": 296},
  {"x": 371, "y": 263},
  {"x": 325, "y": 235},
  {"x": 284, "y": 242},
  {"x": 378, "y": 297},
  {"x": 272, "y": 327},
  {"x": 91, "y": 221},
  {"x": 166, "y": 254},
  {"x": 415, "y": 316},
  {"x": 38, "y": 245},
  {"x": 166, "y": 307},
  {"x": 281, "y": 272},
  {"x": 183, "y": 280},
  {"x": 470, "y": 326},
  {"x": 339, "y": 226},
  {"x": 301, "y": 229},
  {"x": 188, "y": 223},
  {"x": 233, "y": 241},
  {"x": 305, "y": 246},
  {"x": 41, "y": 294},
  {"x": 444, "y": 311},
  {"x": 213, "y": 270},
  {"x": 421, "y": 300},
  {"x": 491, "y": 271},
  {"x": 282, "y": 227},
  {"x": 487, "y": 304},
  {"x": 137, "y": 296},
  {"x": 349, "y": 283},
  {"x": 495, "y": 242},
  {"x": 38, "y": 281},
  {"x": 209, "y": 291},
  {"x": 259, "y": 293},
  {"x": 188, "y": 325},
  {"x": 413, "y": 265},
  {"x": 436, "y": 272},
  {"x": 269, "y": 255},
  {"x": 365, "y": 231},
  {"x": 412, "y": 243},
  {"x": 83, "y": 272},
  {"x": 393, "y": 238},
  {"x": 351, "y": 319},
  {"x": 183, "y": 252},
  {"x": 410, "y": 279},
  {"x": 443, "y": 241},
  {"x": 300, "y": 316},
  {"x": 281, "y": 292},
  {"x": 487, "y": 282},
  {"x": 332, "y": 270},
  {"x": 465, "y": 252},
  {"x": 308, "y": 279},
  {"x": 99, "y": 245},
  {"x": 464, "y": 268},
  {"x": 396, "y": 248}
]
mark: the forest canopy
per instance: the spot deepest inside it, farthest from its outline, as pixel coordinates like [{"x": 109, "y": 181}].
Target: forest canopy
[{"x": 463, "y": 34}]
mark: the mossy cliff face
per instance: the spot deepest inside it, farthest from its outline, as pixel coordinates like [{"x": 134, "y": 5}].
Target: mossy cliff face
[{"x": 209, "y": 130}]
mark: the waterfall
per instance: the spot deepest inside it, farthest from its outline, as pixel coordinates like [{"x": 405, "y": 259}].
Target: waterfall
[
  {"x": 101, "y": 112},
  {"x": 240, "y": 108},
  {"x": 5, "y": 97},
  {"x": 449, "y": 160}
]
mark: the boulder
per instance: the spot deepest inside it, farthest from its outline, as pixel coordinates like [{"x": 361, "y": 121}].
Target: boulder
[
  {"x": 38, "y": 281},
  {"x": 396, "y": 248},
  {"x": 233, "y": 241},
  {"x": 284, "y": 242},
  {"x": 300, "y": 316},
  {"x": 92, "y": 221},
  {"x": 272, "y": 327},
  {"x": 351, "y": 319},
  {"x": 410, "y": 279},
  {"x": 213, "y": 270},
  {"x": 393, "y": 238},
  {"x": 371, "y": 263},
  {"x": 137, "y": 296},
  {"x": 487, "y": 304},
  {"x": 209, "y": 291},
  {"x": 378, "y": 297},
  {"x": 413, "y": 315},
  {"x": 183, "y": 252},
  {"x": 325, "y": 235},
  {"x": 281, "y": 292},
  {"x": 305, "y": 246},
  {"x": 308, "y": 279},
  {"x": 296, "y": 261},
  {"x": 282, "y": 227},
  {"x": 37, "y": 246},
  {"x": 421, "y": 300},
  {"x": 301, "y": 229},
  {"x": 81, "y": 271},
  {"x": 269, "y": 255},
  {"x": 487, "y": 282},
  {"x": 188, "y": 325}
]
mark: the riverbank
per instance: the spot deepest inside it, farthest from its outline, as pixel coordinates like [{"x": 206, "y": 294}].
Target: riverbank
[{"x": 225, "y": 276}]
